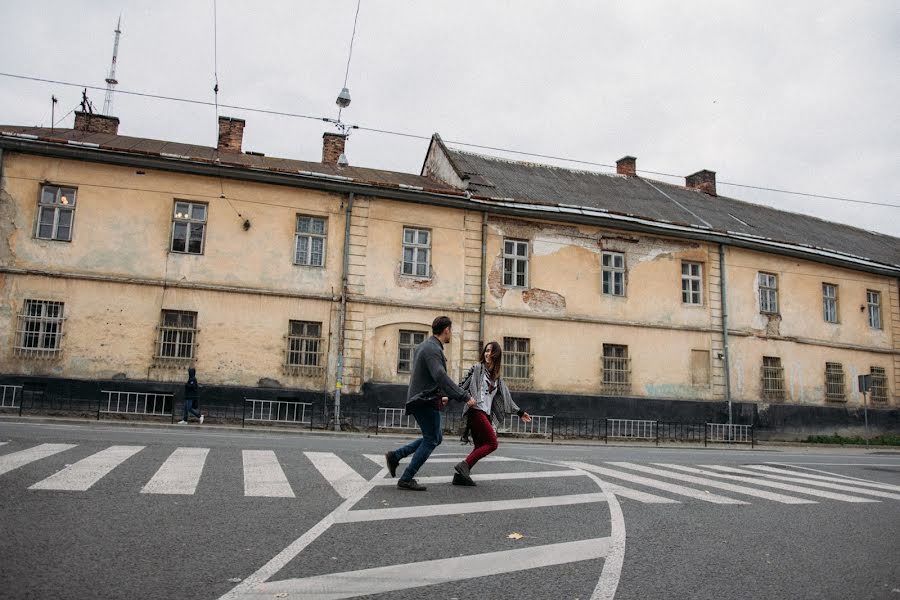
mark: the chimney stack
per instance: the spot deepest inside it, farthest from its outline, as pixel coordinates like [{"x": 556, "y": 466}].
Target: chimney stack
[
  {"x": 704, "y": 180},
  {"x": 332, "y": 147},
  {"x": 627, "y": 165},
  {"x": 94, "y": 123},
  {"x": 231, "y": 134}
]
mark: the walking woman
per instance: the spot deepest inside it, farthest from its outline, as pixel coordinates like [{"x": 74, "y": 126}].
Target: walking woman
[{"x": 492, "y": 403}]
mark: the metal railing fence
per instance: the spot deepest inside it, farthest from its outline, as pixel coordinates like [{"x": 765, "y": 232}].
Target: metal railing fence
[
  {"x": 725, "y": 433},
  {"x": 632, "y": 429},
  {"x": 155, "y": 404},
  {"x": 277, "y": 411}
]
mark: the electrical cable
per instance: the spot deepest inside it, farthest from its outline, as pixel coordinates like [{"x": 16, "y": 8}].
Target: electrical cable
[{"x": 350, "y": 54}]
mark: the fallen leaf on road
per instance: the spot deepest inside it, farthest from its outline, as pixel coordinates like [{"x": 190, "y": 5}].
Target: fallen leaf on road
[
  {"x": 235, "y": 580},
  {"x": 515, "y": 536}
]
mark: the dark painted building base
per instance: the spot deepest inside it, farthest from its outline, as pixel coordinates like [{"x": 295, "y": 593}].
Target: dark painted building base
[{"x": 772, "y": 421}]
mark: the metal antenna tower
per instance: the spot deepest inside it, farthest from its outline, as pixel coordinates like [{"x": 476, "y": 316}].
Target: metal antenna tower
[{"x": 111, "y": 80}]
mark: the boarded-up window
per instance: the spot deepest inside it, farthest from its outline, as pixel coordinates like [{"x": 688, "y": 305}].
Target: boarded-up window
[{"x": 700, "y": 367}]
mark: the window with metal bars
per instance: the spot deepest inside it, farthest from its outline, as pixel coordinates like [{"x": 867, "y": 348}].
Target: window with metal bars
[
  {"x": 40, "y": 329},
  {"x": 515, "y": 263},
  {"x": 616, "y": 369},
  {"x": 879, "y": 389},
  {"x": 772, "y": 378},
  {"x": 834, "y": 382},
  {"x": 303, "y": 353},
  {"x": 613, "y": 273},
  {"x": 408, "y": 342},
  {"x": 691, "y": 283},
  {"x": 56, "y": 213},
  {"x": 177, "y": 336},
  {"x": 873, "y": 300},
  {"x": 768, "y": 292},
  {"x": 830, "y": 302},
  {"x": 517, "y": 367},
  {"x": 309, "y": 241},
  {"x": 416, "y": 252},
  {"x": 188, "y": 227}
]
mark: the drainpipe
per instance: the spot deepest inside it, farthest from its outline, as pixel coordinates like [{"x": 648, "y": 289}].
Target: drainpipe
[
  {"x": 725, "y": 329},
  {"x": 343, "y": 316},
  {"x": 484, "y": 222}
]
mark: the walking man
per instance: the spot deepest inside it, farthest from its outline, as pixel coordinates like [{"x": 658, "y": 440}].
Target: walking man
[
  {"x": 191, "y": 396},
  {"x": 429, "y": 390}
]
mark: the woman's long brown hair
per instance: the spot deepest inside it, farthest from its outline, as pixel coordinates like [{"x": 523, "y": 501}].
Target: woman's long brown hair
[{"x": 496, "y": 359}]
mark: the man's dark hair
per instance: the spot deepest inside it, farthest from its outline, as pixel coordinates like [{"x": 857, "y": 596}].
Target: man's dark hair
[{"x": 440, "y": 324}]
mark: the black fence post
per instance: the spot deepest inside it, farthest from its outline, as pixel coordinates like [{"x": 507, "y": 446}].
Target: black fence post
[
  {"x": 657, "y": 433},
  {"x": 376, "y": 421},
  {"x": 99, "y": 401},
  {"x": 552, "y": 428},
  {"x": 243, "y": 411},
  {"x": 606, "y": 431},
  {"x": 705, "y": 428},
  {"x": 752, "y": 439},
  {"x": 21, "y": 398}
]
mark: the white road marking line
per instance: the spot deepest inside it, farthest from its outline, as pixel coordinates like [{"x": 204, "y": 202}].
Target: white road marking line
[
  {"x": 706, "y": 482},
  {"x": 639, "y": 496},
  {"x": 14, "y": 460},
  {"x": 492, "y": 476},
  {"x": 678, "y": 490},
  {"x": 378, "y": 459},
  {"x": 379, "y": 580},
  {"x": 825, "y": 484},
  {"x": 3, "y": 443},
  {"x": 263, "y": 475},
  {"x": 829, "y": 474},
  {"x": 823, "y": 464},
  {"x": 772, "y": 484},
  {"x": 86, "y": 472},
  {"x": 339, "y": 474},
  {"x": 180, "y": 474},
  {"x": 433, "y": 510}
]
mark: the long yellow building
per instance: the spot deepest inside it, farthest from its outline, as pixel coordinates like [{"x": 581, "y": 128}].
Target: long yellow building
[{"x": 125, "y": 260}]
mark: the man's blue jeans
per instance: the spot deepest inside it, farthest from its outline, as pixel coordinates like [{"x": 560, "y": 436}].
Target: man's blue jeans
[
  {"x": 189, "y": 408},
  {"x": 429, "y": 420}
]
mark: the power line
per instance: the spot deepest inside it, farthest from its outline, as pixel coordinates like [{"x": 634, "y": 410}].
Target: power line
[{"x": 423, "y": 137}]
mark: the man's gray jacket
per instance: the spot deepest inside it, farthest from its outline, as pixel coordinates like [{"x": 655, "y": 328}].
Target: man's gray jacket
[{"x": 429, "y": 379}]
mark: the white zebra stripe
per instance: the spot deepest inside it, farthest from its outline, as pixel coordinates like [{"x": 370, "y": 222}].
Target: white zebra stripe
[
  {"x": 14, "y": 460},
  {"x": 180, "y": 474},
  {"x": 263, "y": 475},
  {"x": 339, "y": 474},
  {"x": 86, "y": 472},
  {"x": 836, "y": 479},
  {"x": 823, "y": 484}
]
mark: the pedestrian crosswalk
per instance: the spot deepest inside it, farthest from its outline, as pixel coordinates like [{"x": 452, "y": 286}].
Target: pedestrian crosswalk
[{"x": 284, "y": 473}]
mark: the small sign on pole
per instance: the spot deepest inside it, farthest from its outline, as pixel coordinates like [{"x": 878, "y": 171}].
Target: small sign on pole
[{"x": 865, "y": 383}]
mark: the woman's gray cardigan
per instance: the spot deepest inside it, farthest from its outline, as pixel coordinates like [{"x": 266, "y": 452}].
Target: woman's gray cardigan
[{"x": 472, "y": 383}]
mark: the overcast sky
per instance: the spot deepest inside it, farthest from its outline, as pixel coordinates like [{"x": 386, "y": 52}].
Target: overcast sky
[{"x": 801, "y": 95}]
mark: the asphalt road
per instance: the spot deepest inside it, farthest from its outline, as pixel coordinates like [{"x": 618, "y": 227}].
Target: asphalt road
[{"x": 114, "y": 511}]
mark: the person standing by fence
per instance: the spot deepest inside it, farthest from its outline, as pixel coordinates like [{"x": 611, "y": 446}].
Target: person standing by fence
[
  {"x": 493, "y": 403},
  {"x": 191, "y": 397},
  {"x": 430, "y": 388}
]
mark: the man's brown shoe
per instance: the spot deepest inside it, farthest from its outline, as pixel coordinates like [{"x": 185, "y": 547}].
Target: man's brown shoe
[{"x": 392, "y": 463}]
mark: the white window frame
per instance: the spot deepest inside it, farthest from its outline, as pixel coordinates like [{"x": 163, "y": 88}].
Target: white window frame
[
  {"x": 873, "y": 303},
  {"x": 56, "y": 200},
  {"x": 692, "y": 283},
  {"x": 830, "y": 303},
  {"x": 304, "y": 348},
  {"x": 768, "y": 292},
  {"x": 408, "y": 347},
  {"x": 183, "y": 214},
  {"x": 419, "y": 252},
  {"x": 612, "y": 269},
  {"x": 40, "y": 329},
  {"x": 178, "y": 336},
  {"x": 515, "y": 254},
  {"x": 316, "y": 230}
]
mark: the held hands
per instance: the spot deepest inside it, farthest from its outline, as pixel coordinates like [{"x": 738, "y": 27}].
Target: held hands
[
  {"x": 444, "y": 400},
  {"x": 471, "y": 402},
  {"x": 526, "y": 417}
]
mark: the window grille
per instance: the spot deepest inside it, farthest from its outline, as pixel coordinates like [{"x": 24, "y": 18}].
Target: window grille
[
  {"x": 517, "y": 367},
  {"x": 768, "y": 293},
  {"x": 416, "y": 252},
  {"x": 515, "y": 263},
  {"x": 829, "y": 303},
  {"x": 772, "y": 378},
  {"x": 56, "y": 213},
  {"x": 613, "y": 273},
  {"x": 188, "y": 227},
  {"x": 879, "y": 389},
  {"x": 39, "y": 329},
  {"x": 691, "y": 283},
  {"x": 177, "y": 337},
  {"x": 834, "y": 382},
  {"x": 616, "y": 369},
  {"x": 873, "y": 299},
  {"x": 408, "y": 342},
  {"x": 303, "y": 355},
  {"x": 309, "y": 241}
]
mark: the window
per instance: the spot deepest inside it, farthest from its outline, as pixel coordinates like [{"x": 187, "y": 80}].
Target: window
[
  {"x": 517, "y": 369},
  {"x": 39, "y": 332},
  {"x": 177, "y": 336},
  {"x": 188, "y": 227},
  {"x": 829, "y": 303},
  {"x": 56, "y": 213},
  {"x": 416, "y": 252},
  {"x": 691, "y": 283},
  {"x": 772, "y": 378},
  {"x": 700, "y": 367},
  {"x": 768, "y": 293},
  {"x": 834, "y": 382},
  {"x": 408, "y": 342},
  {"x": 309, "y": 241},
  {"x": 873, "y": 299},
  {"x": 515, "y": 263},
  {"x": 616, "y": 369},
  {"x": 613, "y": 273},
  {"x": 303, "y": 355},
  {"x": 879, "y": 389}
]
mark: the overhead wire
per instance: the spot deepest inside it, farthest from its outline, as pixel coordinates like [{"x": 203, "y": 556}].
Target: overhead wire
[{"x": 350, "y": 54}]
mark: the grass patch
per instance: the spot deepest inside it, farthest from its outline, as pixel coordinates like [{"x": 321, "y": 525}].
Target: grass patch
[{"x": 881, "y": 440}]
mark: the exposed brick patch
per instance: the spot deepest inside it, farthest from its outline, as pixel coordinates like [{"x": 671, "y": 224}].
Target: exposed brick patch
[
  {"x": 544, "y": 300},
  {"x": 414, "y": 283},
  {"x": 773, "y": 325},
  {"x": 495, "y": 279},
  {"x": 94, "y": 123}
]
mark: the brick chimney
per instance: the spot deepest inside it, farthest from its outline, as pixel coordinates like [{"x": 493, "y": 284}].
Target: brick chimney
[
  {"x": 231, "y": 134},
  {"x": 627, "y": 165},
  {"x": 332, "y": 147},
  {"x": 704, "y": 180},
  {"x": 93, "y": 123}
]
